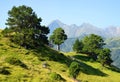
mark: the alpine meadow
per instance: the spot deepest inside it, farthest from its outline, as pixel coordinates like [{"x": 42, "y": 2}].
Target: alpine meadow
[{"x": 31, "y": 51}]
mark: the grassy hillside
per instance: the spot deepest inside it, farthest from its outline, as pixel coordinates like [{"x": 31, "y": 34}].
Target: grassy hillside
[
  {"x": 93, "y": 71},
  {"x": 18, "y": 64},
  {"x": 112, "y": 43}
]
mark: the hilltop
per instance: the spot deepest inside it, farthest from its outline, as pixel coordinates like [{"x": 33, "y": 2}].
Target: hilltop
[{"x": 20, "y": 64}]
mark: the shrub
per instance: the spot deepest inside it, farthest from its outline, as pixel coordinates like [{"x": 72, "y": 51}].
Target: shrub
[
  {"x": 74, "y": 69},
  {"x": 55, "y": 76}
]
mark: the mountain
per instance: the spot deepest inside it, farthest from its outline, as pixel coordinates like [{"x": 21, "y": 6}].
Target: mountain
[
  {"x": 114, "y": 45},
  {"x": 68, "y": 28},
  {"x": 76, "y": 31},
  {"x": 110, "y": 34},
  {"x": 112, "y": 31},
  {"x": 86, "y": 29},
  {"x": 55, "y": 24}
]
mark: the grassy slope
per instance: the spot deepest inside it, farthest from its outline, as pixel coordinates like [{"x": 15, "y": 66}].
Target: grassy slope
[
  {"x": 34, "y": 59},
  {"x": 93, "y": 71}
]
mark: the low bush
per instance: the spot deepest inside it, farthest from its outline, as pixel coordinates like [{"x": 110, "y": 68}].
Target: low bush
[
  {"x": 55, "y": 76},
  {"x": 74, "y": 69}
]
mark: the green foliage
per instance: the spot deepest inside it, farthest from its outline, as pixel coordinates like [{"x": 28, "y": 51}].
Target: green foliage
[
  {"x": 77, "y": 46},
  {"x": 55, "y": 76},
  {"x": 24, "y": 27},
  {"x": 6, "y": 32},
  {"x": 16, "y": 61},
  {"x": 74, "y": 69},
  {"x": 104, "y": 57},
  {"x": 58, "y": 37},
  {"x": 57, "y": 62},
  {"x": 92, "y": 44}
]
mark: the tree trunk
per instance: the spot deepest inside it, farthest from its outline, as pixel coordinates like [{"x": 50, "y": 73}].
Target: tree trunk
[{"x": 58, "y": 47}]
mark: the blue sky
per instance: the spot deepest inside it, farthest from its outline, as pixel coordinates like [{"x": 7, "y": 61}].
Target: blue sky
[{"x": 100, "y": 13}]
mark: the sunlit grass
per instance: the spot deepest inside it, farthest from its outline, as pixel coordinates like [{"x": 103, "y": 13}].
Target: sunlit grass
[
  {"x": 110, "y": 76},
  {"x": 91, "y": 72},
  {"x": 33, "y": 60}
]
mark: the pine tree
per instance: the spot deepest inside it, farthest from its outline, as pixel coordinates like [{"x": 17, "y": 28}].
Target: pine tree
[
  {"x": 25, "y": 27},
  {"x": 58, "y": 37},
  {"x": 77, "y": 46},
  {"x": 92, "y": 44},
  {"x": 104, "y": 57}
]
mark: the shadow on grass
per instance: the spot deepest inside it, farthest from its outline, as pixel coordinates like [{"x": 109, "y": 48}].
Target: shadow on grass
[
  {"x": 87, "y": 69},
  {"x": 4, "y": 71},
  {"x": 82, "y": 58},
  {"x": 87, "y": 58},
  {"x": 46, "y": 53},
  {"x": 114, "y": 68}
]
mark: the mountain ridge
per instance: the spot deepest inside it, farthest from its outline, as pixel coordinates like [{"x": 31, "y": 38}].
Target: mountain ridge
[
  {"x": 74, "y": 30},
  {"x": 110, "y": 34}
]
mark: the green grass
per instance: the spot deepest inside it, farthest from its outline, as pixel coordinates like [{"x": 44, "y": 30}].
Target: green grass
[
  {"x": 92, "y": 71},
  {"x": 26, "y": 65},
  {"x": 56, "y": 62}
]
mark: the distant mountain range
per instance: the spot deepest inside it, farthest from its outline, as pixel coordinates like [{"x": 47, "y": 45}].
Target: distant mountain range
[
  {"x": 76, "y": 31},
  {"x": 110, "y": 34}
]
